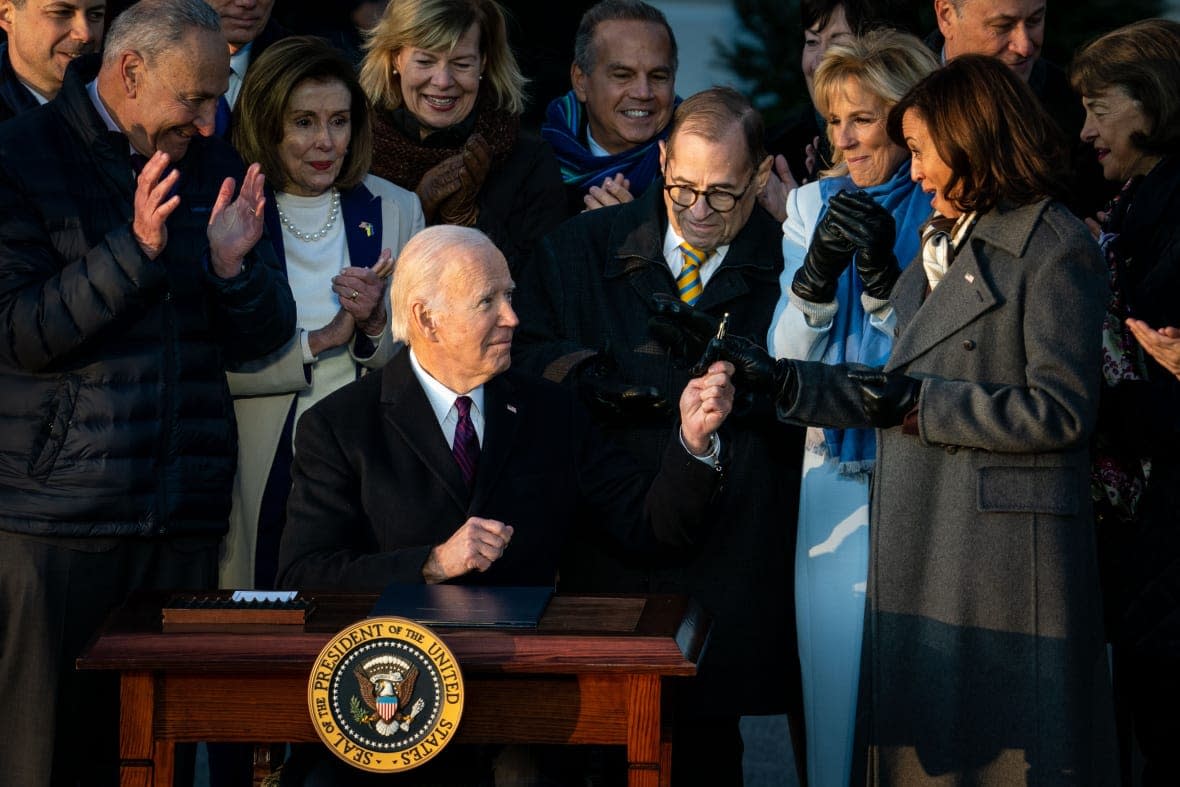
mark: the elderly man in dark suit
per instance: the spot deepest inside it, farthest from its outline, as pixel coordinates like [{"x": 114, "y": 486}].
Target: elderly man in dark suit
[
  {"x": 448, "y": 467},
  {"x": 697, "y": 237}
]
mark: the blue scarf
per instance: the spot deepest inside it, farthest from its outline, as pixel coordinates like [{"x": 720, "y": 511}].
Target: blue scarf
[
  {"x": 852, "y": 339},
  {"x": 562, "y": 129}
]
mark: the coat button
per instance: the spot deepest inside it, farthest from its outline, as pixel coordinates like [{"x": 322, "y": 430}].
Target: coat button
[
  {"x": 952, "y": 449},
  {"x": 968, "y": 344},
  {"x": 896, "y": 332}
]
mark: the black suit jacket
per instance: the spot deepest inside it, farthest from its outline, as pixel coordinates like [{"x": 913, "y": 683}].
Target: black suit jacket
[{"x": 376, "y": 487}]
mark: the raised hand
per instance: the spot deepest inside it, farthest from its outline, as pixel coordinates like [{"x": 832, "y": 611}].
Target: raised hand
[
  {"x": 704, "y": 405},
  {"x": 234, "y": 227},
  {"x": 438, "y": 183},
  {"x": 1162, "y": 344},
  {"x": 462, "y": 207},
  {"x": 828, "y": 255},
  {"x": 779, "y": 186},
  {"x": 475, "y": 546},
  {"x": 872, "y": 230},
  {"x": 153, "y": 206},
  {"x": 614, "y": 191}
]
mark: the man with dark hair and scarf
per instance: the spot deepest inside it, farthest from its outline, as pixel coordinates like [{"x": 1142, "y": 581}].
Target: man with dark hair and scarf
[{"x": 607, "y": 129}]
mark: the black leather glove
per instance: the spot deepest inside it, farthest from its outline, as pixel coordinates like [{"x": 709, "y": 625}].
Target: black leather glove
[
  {"x": 872, "y": 230},
  {"x": 754, "y": 369},
  {"x": 827, "y": 257},
  {"x": 681, "y": 328},
  {"x": 611, "y": 399},
  {"x": 887, "y": 397}
]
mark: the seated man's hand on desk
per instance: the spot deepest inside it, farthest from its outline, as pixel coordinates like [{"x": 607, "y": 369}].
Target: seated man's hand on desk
[{"x": 473, "y": 547}]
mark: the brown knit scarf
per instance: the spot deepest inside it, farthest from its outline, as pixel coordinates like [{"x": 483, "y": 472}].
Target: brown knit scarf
[{"x": 403, "y": 160}]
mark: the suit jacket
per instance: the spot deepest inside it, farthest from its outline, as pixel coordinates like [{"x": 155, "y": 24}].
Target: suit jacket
[
  {"x": 376, "y": 486},
  {"x": 984, "y": 632},
  {"x": 588, "y": 290}
]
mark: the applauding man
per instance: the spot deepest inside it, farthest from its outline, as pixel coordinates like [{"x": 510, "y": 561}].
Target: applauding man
[{"x": 129, "y": 277}]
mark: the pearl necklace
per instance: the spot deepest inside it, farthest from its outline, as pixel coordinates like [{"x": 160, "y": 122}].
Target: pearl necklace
[{"x": 311, "y": 237}]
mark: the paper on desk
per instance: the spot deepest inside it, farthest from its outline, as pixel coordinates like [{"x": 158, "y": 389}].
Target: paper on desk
[{"x": 264, "y": 595}]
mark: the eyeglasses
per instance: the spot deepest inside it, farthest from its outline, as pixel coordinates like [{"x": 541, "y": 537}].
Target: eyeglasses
[{"x": 717, "y": 199}]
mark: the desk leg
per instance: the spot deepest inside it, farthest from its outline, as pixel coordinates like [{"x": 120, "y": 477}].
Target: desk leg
[
  {"x": 143, "y": 761},
  {"x": 643, "y": 731}
]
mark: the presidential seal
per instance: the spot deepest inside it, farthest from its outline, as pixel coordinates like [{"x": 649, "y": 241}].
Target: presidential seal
[{"x": 386, "y": 695}]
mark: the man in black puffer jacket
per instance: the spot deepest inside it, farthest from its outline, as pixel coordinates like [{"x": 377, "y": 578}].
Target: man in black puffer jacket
[{"x": 122, "y": 299}]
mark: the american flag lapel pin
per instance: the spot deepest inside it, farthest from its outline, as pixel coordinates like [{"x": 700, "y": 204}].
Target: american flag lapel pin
[
  {"x": 970, "y": 277},
  {"x": 512, "y": 409},
  {"x": 366, "y": 228}
]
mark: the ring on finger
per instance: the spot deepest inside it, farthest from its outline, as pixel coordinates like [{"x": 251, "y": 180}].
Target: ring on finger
[{"x": 354, "y": 294}]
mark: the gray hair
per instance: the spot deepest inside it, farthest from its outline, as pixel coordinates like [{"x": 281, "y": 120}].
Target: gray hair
[
  {"x": 620, "y": 10},
  {"x": 422, "y": 266},
  {"x": 152, "y": 27},
  {"x": 714, "y": 114}
]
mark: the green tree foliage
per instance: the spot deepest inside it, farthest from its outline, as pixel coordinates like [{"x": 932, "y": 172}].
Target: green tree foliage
[{"x": 764, "y": 56}]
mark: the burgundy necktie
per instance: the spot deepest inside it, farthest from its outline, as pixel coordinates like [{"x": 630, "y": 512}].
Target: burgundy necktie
[{"x": 466, "y": 447}]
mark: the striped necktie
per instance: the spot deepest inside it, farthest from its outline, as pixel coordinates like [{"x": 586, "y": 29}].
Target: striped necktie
[{"x": 688, "y": 283}]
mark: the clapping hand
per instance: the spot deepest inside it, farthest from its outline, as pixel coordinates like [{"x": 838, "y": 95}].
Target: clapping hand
[
  {"x": 362, "y": 294},
  {"x": 828, "y": 255},
  {"x": 613, "y": 191},
  {"x": 779, "y": 186},
  {"x": 872, "y": 230},
  {"x": 234, "y": 227},
  {"x": 461, "y": 207},
  {"x": 153, "y": 206},
  {"x": 437, "y": 184}
]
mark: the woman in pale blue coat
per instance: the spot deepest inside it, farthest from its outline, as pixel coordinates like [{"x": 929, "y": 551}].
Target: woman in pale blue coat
[{"x": 845, "y": 238}]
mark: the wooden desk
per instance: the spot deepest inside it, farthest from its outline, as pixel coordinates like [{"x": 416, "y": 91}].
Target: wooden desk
[{"x": 592, "y": 672}]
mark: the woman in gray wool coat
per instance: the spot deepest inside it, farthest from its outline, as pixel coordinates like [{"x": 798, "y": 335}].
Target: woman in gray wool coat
[{"x": 984, "y": 661}]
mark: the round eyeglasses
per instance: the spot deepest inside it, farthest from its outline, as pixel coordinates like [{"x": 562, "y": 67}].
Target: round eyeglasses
[{"x": 717, "y": 199}]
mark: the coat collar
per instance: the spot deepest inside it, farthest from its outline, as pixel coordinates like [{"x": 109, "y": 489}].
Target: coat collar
[
  {"x": 360, "y": 210},
  {"x": 1008, "y": 227},
  {"x": 965, "y": 292},
  {"x": 13, "y": 93},
  {"x": 406, "y": 410},
  {"x": 1154, "y": 197}
]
